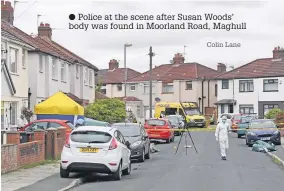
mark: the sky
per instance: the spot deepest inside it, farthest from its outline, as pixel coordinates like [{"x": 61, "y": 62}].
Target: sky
[{"x": 264, "y": 21}]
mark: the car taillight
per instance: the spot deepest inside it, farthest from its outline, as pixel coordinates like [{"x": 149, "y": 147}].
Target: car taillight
[
  {"x": 67, "y": 142},
  {"x": 113, "y": 144}
]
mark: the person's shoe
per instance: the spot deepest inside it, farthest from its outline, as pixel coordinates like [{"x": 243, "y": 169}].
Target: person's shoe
[{"x": 223, "y": 158}]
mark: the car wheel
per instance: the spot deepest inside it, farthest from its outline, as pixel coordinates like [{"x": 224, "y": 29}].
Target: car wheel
[
  {"x": 168, "y": 140},
  {"x": 147, "y": 156},
  {"x": 127, "y": 171},
  {"x": 173, "y": 139},
  {"x": 239, "y": 136},
  {"x": 64, "y": 173},
  {"x": 117, "y": 175},
  {"x": 142, "y": 157}
]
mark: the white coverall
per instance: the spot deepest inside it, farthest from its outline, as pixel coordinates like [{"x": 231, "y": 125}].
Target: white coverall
[{"x": 221, "y": 135}]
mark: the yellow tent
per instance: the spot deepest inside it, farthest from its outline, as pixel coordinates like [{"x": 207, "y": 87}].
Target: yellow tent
[{"x": 59, "y": 104}]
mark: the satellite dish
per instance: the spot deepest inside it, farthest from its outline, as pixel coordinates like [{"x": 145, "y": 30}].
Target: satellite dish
[{"x": 157, "y": 99}]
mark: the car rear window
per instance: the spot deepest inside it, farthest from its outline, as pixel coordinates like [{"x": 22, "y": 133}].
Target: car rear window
[
  {"x": 263, "y": 124},
  {"x": 90, "y": 136},
  {"x": 156, "y": 122},
  {"x": 237, "y": 117}
]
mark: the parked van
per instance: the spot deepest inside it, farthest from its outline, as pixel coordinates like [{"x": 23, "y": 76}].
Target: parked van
[{"x": 189, "y": 110}]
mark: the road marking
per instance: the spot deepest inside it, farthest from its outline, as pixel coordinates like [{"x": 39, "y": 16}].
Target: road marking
[
  {"x": 274, "y": 157},
  {"x": 73, "y": 184}
]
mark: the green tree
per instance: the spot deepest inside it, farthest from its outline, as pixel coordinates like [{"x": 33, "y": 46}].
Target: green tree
[
  {"x": 111, "y": 110},
  {"x": 273, "y": 113}
]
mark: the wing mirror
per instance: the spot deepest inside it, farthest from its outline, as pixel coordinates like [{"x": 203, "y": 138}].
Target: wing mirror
[{"x": 127, "y": 143}]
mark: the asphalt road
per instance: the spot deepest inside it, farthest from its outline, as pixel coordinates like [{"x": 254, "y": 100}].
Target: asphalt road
[{"x": 166, "y": 171}]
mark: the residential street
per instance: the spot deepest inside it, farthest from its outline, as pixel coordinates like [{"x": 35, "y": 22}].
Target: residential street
[{"x": 244, "y": 170}]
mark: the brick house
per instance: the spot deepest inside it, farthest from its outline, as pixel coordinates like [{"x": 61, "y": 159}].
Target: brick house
[
  {"x": 178, "y": 81},
  {"x": 52, "y": 67},
  {"x": 255, "y": 87}
]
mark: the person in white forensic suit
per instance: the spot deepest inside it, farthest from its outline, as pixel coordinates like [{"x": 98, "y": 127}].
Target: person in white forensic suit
[{"x": 221, "y": 134}]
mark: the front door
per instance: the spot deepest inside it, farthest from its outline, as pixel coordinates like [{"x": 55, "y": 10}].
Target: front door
[{"x": 231, "y": 108}]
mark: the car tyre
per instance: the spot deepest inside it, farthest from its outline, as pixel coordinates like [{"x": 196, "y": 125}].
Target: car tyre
[
  {"x": 168, "y": 140},
  {"x": 142, "y": 157},
  {"x": 64, "y": 173},
  {"x": 147, "y": 156},
  {"x": 118, "y": 174},
  {"x": 127, "y": 171},
  {"x": 239, "y": 136}
]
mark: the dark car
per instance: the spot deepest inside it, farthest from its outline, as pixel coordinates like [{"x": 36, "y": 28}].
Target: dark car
[
  {"x": 138, "y": 138},
  {"x": 176, "y": 122},
  {"x": 244, "y": 124},
  {"x": 262, "y": 129}
]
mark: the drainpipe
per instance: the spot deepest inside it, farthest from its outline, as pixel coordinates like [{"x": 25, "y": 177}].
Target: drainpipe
[
  {"x": 202, "y": 96},
  {"x": 208, "y": 94}
]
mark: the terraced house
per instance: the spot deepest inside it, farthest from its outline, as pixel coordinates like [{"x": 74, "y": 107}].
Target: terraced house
[
  {"x": 254, "y": 88},
  {"x": 47, "y": 66},
  {"x": 177, "y": 82}
]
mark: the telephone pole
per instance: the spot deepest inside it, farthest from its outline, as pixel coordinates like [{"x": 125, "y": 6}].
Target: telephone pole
[{"x": 151, "y": 54}]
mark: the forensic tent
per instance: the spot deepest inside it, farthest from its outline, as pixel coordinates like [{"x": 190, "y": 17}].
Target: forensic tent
[{"x": 59, "y": 106}]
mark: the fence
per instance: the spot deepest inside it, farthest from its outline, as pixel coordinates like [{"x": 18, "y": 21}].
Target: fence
[{"x": 21, "y": 148}]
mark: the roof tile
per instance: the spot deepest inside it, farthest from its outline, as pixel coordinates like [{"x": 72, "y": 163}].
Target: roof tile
[{"x": 115, "y": 76}]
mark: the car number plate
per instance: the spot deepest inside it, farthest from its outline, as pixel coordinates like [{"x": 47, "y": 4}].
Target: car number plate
[
  {"x": 265, "y": 138},
  {"x": 199, "y": 124},
  {"x": 89, "y": 150}
]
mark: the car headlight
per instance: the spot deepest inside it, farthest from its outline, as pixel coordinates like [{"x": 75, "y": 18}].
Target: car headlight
[
  {"x": 251, "y": 134},
  {"x": 135, "y": 144},
  {"x": 192, "y": 120},
  {"x": 276, "y": 133}
]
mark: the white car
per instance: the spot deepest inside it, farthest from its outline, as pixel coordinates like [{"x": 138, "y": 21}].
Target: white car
[{"x": 96, "y": 149}]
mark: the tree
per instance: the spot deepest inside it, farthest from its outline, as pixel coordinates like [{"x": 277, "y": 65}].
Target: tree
[
  {"x": 111, "y": 110},
  {"x": 273, "y": 113}
]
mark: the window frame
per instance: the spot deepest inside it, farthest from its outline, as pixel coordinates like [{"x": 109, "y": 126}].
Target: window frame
[
  {"x": 16, "y": 60},
  {"x": 188, "y": 85},
  {"x": 63, "y": 71},
  {"x": 167, "y": 85},
  {"x": 146, "y": 86},
  {"x": 223, "y": 85},
  {"x": 246, "y": 83},
  {"x": 222, "y": 108},
  {"x": 77, "y": 71},
  {"x": 132, "y": 85},
  {"x": 15, "y": 112},
  {"x": 24, "y": 58},
  {"x": 54, "y": 68},
  {"x": 270, "y": 83},
  {"x": 216, "y": 90},
  {"x": 244, "y": 106},
  {"x": 91, "y": 83},
  {"x": 86, "y": 79},
  {"x": 40, "y": 66},
  {"x": 119, "y": 87},
  {"x": 264, "y": 109}
]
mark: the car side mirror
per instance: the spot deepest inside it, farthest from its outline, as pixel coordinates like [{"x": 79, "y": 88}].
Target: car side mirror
[
  {"x": 145, "y": 137},
  {"x": 127, "y": 143}
]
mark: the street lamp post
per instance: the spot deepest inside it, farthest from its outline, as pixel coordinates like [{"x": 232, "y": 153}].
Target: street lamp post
[
  {"x": 233, "y": 67},
  {"x": 125, "y": 75}
]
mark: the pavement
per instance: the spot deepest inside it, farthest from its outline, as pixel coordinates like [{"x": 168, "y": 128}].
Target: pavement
[{"x": 167, "y": 171}]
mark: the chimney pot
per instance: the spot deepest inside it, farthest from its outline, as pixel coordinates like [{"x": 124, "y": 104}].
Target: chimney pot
[
  {"x": 45, "y": 30},
  {"x": 178, "y": 59},
  {"x": 41, "y": 24},
  {"x": 47, "y": 25},
  {"x": 113, "y": 64},
  {"x": 278, "y": 52}
]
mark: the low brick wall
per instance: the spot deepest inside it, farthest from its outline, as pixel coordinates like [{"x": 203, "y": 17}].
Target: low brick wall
[
  {"x": 9, "y": 158},
  {"x": 31, "y": 152}
]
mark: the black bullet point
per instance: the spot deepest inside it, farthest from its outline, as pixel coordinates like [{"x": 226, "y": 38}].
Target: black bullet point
[{"x": 72, "y": 17}]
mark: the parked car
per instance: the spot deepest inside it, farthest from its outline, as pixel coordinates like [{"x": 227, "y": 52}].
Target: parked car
[
  {"x": 138, "y": 138},
  {"x": 96, "y": 149},
  {"x": 45, "y": 124},
  {"x": 263, "y": 129},
  {"x": 93, "y": 122},
  {"x": 244, "y": 124},
  {"x": 177, "y": 122},
  {"x": 236, "y": 118},
  {"x": 160, "y": 129}
]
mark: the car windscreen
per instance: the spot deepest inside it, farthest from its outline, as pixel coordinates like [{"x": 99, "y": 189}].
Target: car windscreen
[
  {"x": 173, "y": 119},
  {"x": 90, "y": 136},
  {"x": 190, "y": 111},
  {"x": 129, "y": 131},
  {"x": 156, "y": 122},
  {"x": 71, "y": 125},
  {"x": 262, "y": 124},
  {"x": 247, "y": 119}
]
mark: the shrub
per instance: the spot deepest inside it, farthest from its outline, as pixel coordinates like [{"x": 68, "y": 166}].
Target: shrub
[{"x": 273, "y": 113}]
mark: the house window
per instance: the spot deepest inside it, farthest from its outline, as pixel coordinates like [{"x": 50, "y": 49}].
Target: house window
[
  {"x": 188, "y": 85},
  {"x": 63, "y": 72},
  {"x": 13, "y": 60},
  {"x": 90, "y": 77},
  {"x": 222, "y": 108},
  {"x": 41, "y": 63},
  {"x": 103, "y": 91},
  {"x": 54, "y": 69},
  {"x": 23, "y": 58},
  {"x": 77, "y": 71},
  {"x": 146, "y": 88},
  {"x": 168, "y": 88},
  {"x": 268, "y": 107},
  {"x": 216, "y": 89},
  {"x": 246, "y": 85},
  {"x": 132, "y": 87},
  {"x": 119, "y": 87},
  {"x": 86, "y": 76},
  {"x": 246, "y": 109},
  {"x": 270, "y": 85},
  {"x": 13, "y": 113},
  {"x": 2, "y": 114},
  {"x": 225, "y": 84},
  {"x": 138, "y": 111}
]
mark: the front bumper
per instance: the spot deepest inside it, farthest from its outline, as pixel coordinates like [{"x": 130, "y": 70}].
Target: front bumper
[
  {"x": 273, "y": 138},
  {"x": 195, "y": 124},
  {"x": 136, "y": 152}
]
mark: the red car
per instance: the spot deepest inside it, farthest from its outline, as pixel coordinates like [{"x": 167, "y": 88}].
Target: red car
[
  {"x": 235, "y": 121},
  {"x": 157, "y": 129},
  {"x": 48, "y": 123}
]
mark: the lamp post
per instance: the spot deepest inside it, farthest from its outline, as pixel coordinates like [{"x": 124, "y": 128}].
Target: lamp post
[
  {"x": 233, "y": 67},
  {"x": 125, "y": 75}
]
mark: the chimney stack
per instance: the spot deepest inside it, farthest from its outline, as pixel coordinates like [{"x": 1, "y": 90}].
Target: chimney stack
[
  {"x": 178, "y": 59},
  {"x": 278, "y": 52},
  {"x": 45, "y": 30},
  {"x": 221, "y": 67},
  {"x": 7, "y": 12},
  {"x": 113, "y": 64}
]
